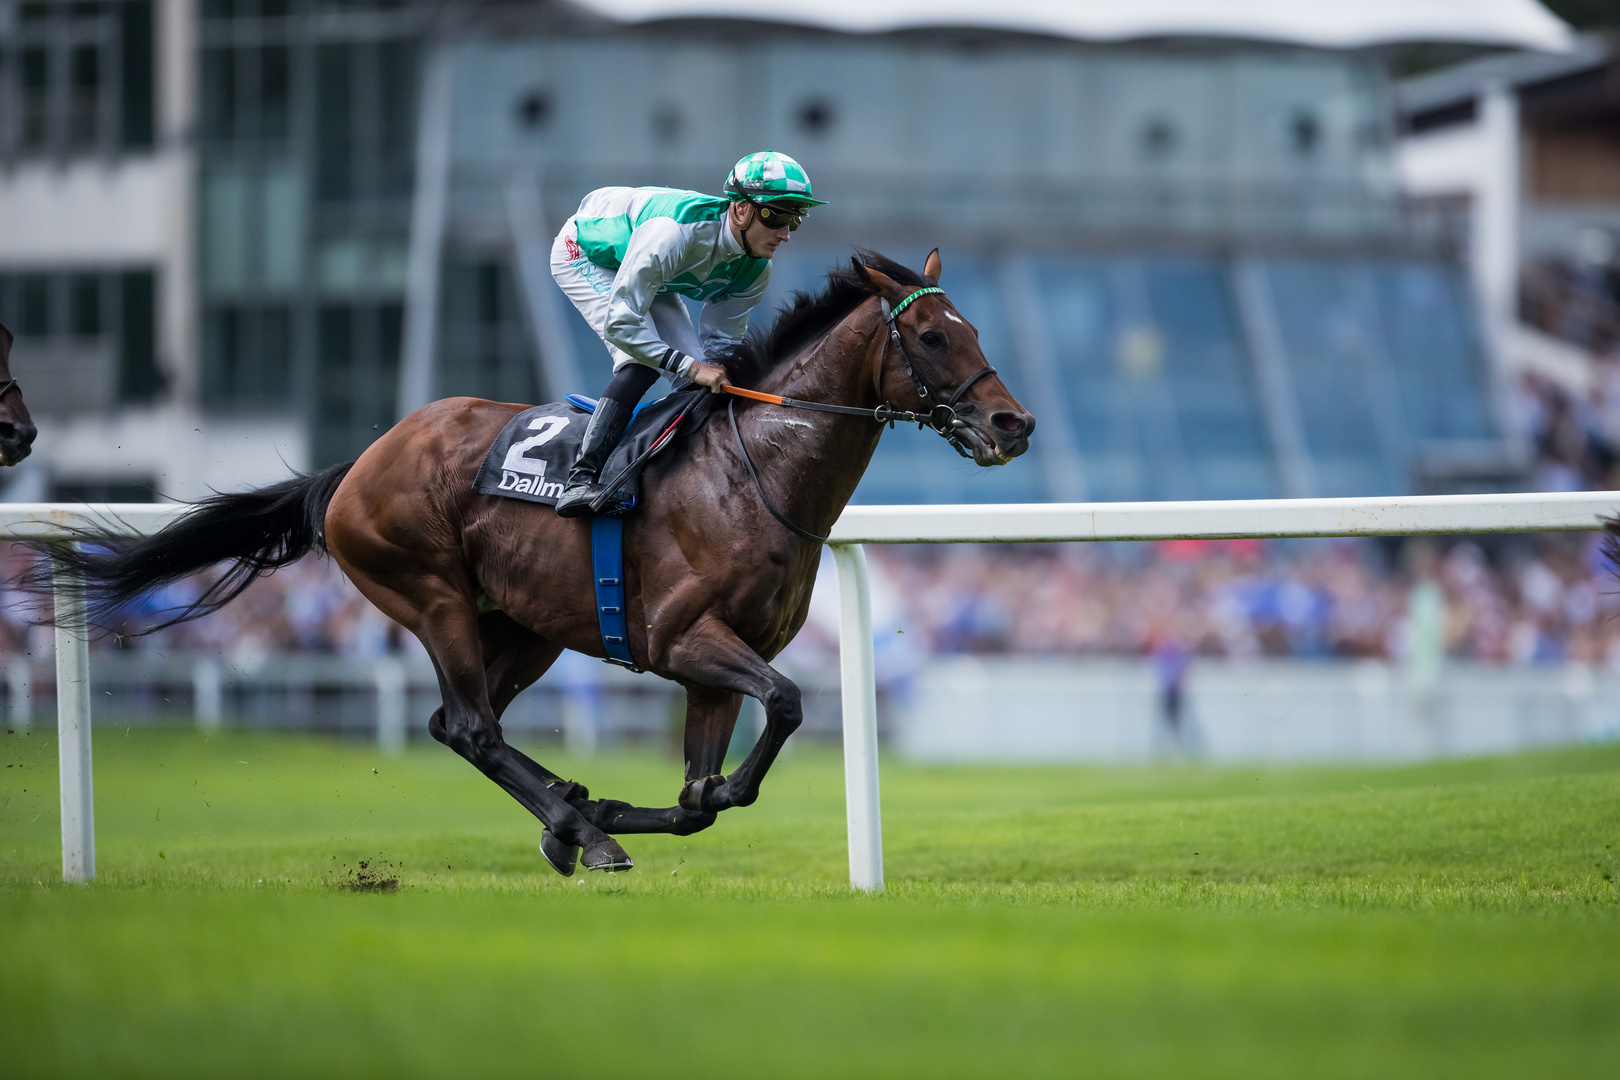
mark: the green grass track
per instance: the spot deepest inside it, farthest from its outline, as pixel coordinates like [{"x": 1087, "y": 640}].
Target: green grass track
[{"x": 1450, "y": 920}]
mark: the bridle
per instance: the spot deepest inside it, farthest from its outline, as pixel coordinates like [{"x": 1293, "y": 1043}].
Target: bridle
[
  {"x": 941, "y": 416},
  {"x": 7, "y": 387}
]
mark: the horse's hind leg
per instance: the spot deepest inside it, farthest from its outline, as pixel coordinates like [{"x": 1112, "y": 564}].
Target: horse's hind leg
[
  {"x": 514, "y": 657},
  {"x": 404, "y": 550},
  {"x": 447, "y": 627}
]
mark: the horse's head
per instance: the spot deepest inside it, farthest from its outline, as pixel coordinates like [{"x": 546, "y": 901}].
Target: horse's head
[
  {"x": 17, "y": 429},
  {"x": 931, "y": 363}
]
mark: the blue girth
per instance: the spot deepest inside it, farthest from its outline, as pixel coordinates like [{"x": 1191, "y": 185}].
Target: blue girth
[{"x": 607, "y": 572}]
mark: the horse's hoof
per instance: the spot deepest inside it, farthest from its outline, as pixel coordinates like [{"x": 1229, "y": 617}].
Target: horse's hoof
[
  {"x": 559, "y": 853},
  {"x": 606, "y": 854},
  {"x": 699, "y": 795}
]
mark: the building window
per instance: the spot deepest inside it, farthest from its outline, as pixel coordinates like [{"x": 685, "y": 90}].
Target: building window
[
  {"x": 307, "y": 152},
  {"x": 76, "y": 78},
  {"x": 247, "y": 93},
  {"x": 84, "y": 305},
  {"x": 247, "y": 357},
  {"x": 365, "y": 141},
  {"x": 357, "y": 346},
  {"x": 484, "y": 347},
  {"x": 86, "y": 340}
]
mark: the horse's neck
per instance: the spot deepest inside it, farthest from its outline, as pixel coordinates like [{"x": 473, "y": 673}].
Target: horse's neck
[
  {"x": 812, "y": 461},
  {"x": 838, "y": 369}
]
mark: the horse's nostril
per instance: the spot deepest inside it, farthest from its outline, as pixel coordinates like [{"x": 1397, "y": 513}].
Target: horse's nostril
[
  {"x": 1012, "y": 424},
  {"x": 20, "y": 436}
]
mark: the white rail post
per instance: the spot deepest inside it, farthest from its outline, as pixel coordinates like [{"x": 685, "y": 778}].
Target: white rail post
[
  {"x": 207, "y": 694},
  {"x": 388, "y": 676},
  {"x": 858, "y": 674},
  {"x": 73, "y": 726},
  {"x": 20, "y": 681}
]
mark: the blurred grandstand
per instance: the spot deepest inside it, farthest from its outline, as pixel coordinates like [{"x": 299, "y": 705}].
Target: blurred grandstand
[{"x": 1231, "y": 259}]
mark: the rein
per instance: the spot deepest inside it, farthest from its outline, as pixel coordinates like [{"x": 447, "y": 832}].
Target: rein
[
  {"x": 942, "y": 417},
  {"x": 731, "y": 412}
]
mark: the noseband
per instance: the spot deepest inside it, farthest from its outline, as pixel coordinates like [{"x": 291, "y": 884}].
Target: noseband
[
  {"x": 941, "y": 417},
  {"x": 8, "y": 386}
]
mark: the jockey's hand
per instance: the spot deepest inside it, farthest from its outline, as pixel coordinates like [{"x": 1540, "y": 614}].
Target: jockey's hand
[{"x": 711, "y": 375}]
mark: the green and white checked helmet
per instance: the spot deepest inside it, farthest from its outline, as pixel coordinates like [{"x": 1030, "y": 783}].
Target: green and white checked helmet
[{"x": 768, "y": 177}]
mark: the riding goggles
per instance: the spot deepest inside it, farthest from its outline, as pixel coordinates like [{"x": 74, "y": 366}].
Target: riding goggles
[{"x": 774, "y": 217}]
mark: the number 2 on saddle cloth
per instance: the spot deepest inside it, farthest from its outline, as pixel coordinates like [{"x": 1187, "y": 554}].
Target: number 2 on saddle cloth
[{"x": 543, "y": 442}]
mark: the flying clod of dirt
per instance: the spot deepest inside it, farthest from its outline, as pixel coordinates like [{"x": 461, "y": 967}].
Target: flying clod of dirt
[{"x": 372, "y": 875}]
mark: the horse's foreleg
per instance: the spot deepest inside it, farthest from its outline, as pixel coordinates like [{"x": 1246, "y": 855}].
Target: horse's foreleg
[
  {"x": 711, "y": 717},
  {"x": 713, "y": 658}
]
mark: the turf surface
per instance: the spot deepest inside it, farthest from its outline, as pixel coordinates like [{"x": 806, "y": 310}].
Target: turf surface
[{"x": 1450, "y": 920}]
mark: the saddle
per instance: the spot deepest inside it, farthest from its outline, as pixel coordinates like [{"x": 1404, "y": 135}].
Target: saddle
[{"x": 531, "y": 457}]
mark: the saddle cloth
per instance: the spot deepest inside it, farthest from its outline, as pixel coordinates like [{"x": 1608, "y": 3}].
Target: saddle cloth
[{"x": 531, "y": 457}]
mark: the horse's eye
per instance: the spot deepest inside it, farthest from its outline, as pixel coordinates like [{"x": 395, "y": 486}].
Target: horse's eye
[{"x": 933, "y": 338}]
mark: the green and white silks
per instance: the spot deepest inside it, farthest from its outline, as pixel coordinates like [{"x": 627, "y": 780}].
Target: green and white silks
[{"x": 628, "y": 254}]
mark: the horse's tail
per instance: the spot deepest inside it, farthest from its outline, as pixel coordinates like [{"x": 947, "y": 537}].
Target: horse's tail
[
  {"x": 255, "y": 531},
  {"x": 1611, "y": 543}
]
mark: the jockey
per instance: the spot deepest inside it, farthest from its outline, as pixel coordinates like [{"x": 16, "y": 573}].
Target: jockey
[{"x": 628, "y": 256}]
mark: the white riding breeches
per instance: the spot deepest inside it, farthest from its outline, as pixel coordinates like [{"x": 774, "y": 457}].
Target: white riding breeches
[{"x": 589, "y": 287}]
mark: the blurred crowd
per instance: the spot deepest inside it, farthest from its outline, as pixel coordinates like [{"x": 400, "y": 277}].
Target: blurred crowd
[
  {"x": 1519, "y": 600},
  {"x": 1575, "y": 439},
  {"x": 1528, "y": 601},
  {"x": 307, "y": 607},
  {"x": 1574, "y": 433},
  {"x": 1546, "y": 599},
  {"x": 1576, "y": 298}
]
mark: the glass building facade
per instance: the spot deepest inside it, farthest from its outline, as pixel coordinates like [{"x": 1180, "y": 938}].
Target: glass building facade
[
  {"x": 1187, "y": 260},
  {"x": 1153, "y": 389},
  {"x": 76, "y": 85}
]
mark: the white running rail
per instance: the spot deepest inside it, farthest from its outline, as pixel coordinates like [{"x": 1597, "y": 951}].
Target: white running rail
[
  {"x": 859, "y": 525},
  {"x": 58, "y": 524},
  {"x": 1048, "y": 522}
]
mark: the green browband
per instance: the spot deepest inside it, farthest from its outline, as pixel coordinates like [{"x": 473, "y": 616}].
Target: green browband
[{"x": 901, "y": 306}]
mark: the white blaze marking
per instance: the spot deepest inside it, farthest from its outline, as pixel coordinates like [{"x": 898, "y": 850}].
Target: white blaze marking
[{"x": 954, "y": 317}]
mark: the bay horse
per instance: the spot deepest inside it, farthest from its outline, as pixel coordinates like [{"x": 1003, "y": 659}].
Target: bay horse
[
  {"x": 17, "y": 429},
  {"x": 720, "y": 556}
]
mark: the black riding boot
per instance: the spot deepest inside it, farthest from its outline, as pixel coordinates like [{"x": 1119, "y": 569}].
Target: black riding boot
[{"x": 601, "y": 436}]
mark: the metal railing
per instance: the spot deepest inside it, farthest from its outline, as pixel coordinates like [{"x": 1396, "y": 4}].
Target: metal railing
[
  {"x": 1067, "y": 522},
  {"x": 859, "y": 525}
]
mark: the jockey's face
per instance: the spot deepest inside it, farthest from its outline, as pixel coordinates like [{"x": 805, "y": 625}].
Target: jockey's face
[{"x": 756, "y": 237}]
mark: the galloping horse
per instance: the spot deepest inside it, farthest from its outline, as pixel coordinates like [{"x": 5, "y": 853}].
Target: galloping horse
[
  {"x": 720, "y": 556},
  {"x": 17, "y": 429}
]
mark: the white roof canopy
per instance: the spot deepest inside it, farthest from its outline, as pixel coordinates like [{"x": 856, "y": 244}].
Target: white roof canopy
[{"x": 1325, "y": 23}]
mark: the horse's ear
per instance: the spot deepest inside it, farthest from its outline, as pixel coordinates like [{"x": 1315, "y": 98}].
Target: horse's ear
[
  {"x": 880, "y": 283},
  {"x": 5, "y": 343},
  {"x": 931, "y": 267}
]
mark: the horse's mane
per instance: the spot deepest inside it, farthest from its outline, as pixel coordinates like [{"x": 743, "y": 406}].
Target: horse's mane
[{"x": 809, "y": 315}]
